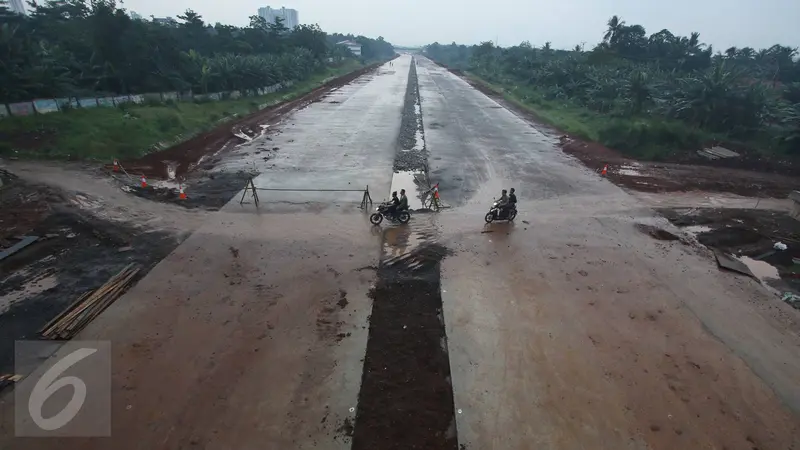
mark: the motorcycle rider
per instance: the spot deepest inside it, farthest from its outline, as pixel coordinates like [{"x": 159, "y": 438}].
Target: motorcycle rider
[
  {"x": 512, "y": 200},
  {"x": 403, "y": 200},
  {"x": 502, "y": 202},
  {"x": 395, "y": 202}
]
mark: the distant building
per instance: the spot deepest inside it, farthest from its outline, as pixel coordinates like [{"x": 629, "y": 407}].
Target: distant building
[
  {"x": 354, "y": 47},
  {"x": 135, "y": 16},
  {"x": 17, "y": 6},
  {"x": 168, "y": 21},
  {"x": 290, "y": 17}
]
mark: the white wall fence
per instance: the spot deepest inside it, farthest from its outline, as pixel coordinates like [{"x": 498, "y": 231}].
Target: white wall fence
[{"x": 50, "y": 105}]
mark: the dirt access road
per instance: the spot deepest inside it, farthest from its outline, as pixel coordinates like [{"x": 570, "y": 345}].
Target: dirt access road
[{"x": 568, "y": 329}]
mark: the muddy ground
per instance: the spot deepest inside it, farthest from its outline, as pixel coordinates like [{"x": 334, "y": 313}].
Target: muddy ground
[
  {"x": 78, "y": 253},
  {"x": 406, "y": 375},
  {"x": 750, "y": 234},
  {"x": 736, "y": 176}
]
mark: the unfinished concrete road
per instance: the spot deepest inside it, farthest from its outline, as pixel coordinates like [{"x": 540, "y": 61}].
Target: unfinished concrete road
[
  {"x": 251, "y": 334},
  {"x": 570, "y": 328}
]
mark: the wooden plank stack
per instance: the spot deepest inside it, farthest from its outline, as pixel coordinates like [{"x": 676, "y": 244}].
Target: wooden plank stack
[
  {"x": 8, "y": 380},
  {"x": 88, "y": 306}
]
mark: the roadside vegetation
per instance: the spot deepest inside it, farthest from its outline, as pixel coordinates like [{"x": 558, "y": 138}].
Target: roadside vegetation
[
  {"x": 93, "y": 48},
  {"x": 131, "y": 131},
  {"x": 653, "y": 96}
]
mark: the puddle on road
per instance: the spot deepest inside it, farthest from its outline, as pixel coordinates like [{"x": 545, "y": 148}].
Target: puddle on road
[
  {"x": 630, "y": 170},
  {"x": 410, "y": 181},
  {"x": 697, "y": 229},
  {"x": 761, "y": 269},
  {"x": 31, "y": 288},
  {"x": 409, "y": 247}
]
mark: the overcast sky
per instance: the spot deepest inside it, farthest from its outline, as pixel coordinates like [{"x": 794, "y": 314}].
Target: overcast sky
[{"x": 722, "y": 23}]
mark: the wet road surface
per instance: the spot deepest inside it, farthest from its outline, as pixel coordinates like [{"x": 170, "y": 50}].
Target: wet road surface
[
  {"x": 345, "y": 141},
  {"x": 571, "y": 329}
]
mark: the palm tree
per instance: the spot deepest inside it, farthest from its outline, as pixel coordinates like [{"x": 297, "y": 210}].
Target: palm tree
[
  {"x": 615, "y": 27},
  {"x": 638, "y": 90}
]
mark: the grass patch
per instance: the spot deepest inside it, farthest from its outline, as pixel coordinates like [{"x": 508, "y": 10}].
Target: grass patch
[
  {"x": 640, "y": 137},
  {"x": 132, "y": 131}
]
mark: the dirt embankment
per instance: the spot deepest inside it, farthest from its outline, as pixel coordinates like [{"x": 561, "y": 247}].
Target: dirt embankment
[{"x": 734, "y": 177}]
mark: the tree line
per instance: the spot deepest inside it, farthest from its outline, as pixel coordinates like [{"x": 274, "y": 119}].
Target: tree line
[
  {"x": 91, "y": 47},
  {"x": 745, "y": 94}
]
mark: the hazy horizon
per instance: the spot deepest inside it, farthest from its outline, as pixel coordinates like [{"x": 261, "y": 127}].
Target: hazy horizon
[{"x": 740, "y": 23}]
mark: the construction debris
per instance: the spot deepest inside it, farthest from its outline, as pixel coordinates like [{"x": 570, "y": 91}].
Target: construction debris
[
  {"x": 8, "y": 380},
  {"x": 717, "y": 153},
  {"x": 791, "y": 298},
  {"x": 88, "y": 306},
  {"x": 725, "y": 261},
  {"x": 26, "y": 241}
]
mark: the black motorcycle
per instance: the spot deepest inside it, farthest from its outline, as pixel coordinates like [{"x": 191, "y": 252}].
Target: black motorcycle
[
  {"x": 498, "y": 213},
  {"x": 402, "y": 216}
]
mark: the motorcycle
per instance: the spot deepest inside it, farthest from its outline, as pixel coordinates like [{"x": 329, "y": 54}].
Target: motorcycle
[
  {"x": 402, "y": 216},
  {"x": 498, "y": 213}
]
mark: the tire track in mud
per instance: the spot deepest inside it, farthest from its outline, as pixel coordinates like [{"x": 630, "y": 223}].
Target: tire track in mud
[{"x": 406, "y": 396}]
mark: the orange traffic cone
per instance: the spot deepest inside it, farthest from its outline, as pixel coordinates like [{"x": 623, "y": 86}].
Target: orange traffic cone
[
  {"x": 182, "y": 194},
  {"x": 116, "y": 165},
  {"x": 604, "y": 171},
  {"x": 144, "y": 181}
]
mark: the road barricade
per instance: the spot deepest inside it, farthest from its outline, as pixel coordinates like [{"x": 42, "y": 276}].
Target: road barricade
[{"x": 250, "y": 187}]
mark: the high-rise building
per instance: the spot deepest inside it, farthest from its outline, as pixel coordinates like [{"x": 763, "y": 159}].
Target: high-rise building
[
  {"x": 290, "y": 17},
  {"x": 18, "y": 6}
]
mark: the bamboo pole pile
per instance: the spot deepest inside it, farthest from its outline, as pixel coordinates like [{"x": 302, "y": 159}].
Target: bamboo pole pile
[{"x": 88, "y": 306}]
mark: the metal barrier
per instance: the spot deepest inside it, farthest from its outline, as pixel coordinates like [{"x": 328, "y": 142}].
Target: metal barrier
[{"x": 366, "y": 199}]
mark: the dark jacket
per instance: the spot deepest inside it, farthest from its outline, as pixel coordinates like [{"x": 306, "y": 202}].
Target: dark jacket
[
  {"x": 403, "y": 202},
  {"x": 512, "y": 199}
]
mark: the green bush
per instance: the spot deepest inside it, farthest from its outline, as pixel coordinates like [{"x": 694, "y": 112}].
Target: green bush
[
  {"x": 166, "y": 122},
  {"x": 649, "y": 138}
]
